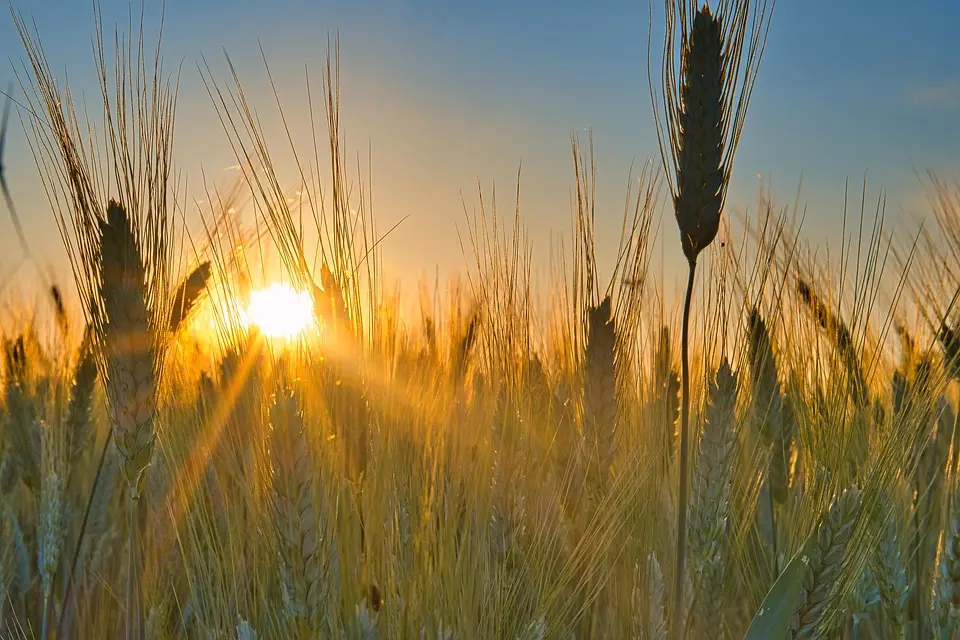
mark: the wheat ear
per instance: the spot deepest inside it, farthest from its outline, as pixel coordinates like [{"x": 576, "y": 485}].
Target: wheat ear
[
  {"x": 892, "y": 581},
  {"x": 186, "y": 295},
  {"x": 81, "y": 399},
  {"x": 128, "y": 345},
  {"x": 824, "y": 558},
  {"x": 50, "y": 526},
  {"x": 667, "y": 392},
  {"x": 300, "y": 526},
  {"x": 768, "y": 415},
  {"x": 704, "y": 104},
  {"x": 946, "y": 604},
  {"x": 599, "y": 395},
  {"x": 843, "y": 340},
  {"x": 245, "y": 631},
  {"x": 657, "y": 620},
  {"x": 711, "y": 496}
]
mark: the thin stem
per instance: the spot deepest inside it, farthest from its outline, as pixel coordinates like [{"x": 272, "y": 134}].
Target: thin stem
[
  {"x": 45, "y": 623},
  {"x": 83, "y": 530},
  {"x": 955, "y": 447},
  {"x": 773, "y": 532},
  {"x": 677, "y": 612},
  {"x": 132, "y": 600},
  {"x": 915, "y": 603}
]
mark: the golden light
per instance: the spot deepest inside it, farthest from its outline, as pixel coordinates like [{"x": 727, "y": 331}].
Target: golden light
[{"x": 280, "y": 311}]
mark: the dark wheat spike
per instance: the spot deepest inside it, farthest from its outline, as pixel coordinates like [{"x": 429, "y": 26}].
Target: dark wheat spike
[
  {"x": 950, "y": 341},
  {"x": 667, "y": 392},
  {"x": 700, "y": 175},
  {"x": 463, "y": 348},
  {"x": 81, "y": 397},
  {"x": 843, "y": 341},
  {"x": 187, "y": 294},
  {"x": 128, "y": 344},
  {"x": 59, "y": 309},
  {"x": 599, "y": 391},
  {"x": 763, "y": 376}
]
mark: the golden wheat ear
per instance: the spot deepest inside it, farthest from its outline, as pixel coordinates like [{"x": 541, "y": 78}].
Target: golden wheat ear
[{"x": 128, "y": 344}]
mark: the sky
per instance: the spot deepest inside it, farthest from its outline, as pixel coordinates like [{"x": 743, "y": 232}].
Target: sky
[{"x": 445, "y": 96}]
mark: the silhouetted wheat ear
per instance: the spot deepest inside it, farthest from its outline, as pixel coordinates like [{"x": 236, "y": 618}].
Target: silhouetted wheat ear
[
  {"x": 667, "y": 392},
  {"x": 128, "y": 344},
  {"x": 700, "y": 175},
  {"x": 81, "y": 398},
  {"x": 187, "y": 295},
  {"x": 763, "y": 376},
  {"x": 837, "y": 330},
  {"x": 824, "y": 559},
  {"x": 599, "y": 392},
  {"x": 56, "y": 297},
  {"x": 950, "y": 341}
]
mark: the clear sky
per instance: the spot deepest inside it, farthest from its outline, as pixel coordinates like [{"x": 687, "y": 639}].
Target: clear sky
[{"x": 447, "y": 93}]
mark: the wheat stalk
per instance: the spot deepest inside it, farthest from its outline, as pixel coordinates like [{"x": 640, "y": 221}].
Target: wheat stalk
[{"x": 704, "y": 104}]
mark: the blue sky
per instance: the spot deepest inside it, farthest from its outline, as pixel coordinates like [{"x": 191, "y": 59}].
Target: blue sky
[{"x": 448, "y": 93}]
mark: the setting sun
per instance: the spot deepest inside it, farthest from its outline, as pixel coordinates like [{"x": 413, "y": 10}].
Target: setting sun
[{"x": 280, "y": 311}]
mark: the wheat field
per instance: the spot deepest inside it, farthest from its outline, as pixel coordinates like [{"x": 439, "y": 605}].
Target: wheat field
[{"x": 775, "y": 457}]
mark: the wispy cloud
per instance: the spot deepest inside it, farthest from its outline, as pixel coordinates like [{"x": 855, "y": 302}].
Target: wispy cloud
[{"x": 944, "y": 94}]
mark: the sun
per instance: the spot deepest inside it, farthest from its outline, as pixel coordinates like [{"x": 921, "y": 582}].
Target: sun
[{"x": 280, "y": 311}]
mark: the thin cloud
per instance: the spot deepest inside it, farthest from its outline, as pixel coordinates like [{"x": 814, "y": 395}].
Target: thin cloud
[{"x": 942, "y": 95}]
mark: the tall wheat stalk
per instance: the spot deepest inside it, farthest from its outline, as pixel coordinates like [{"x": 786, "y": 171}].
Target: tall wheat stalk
[
  {"x": 705, "y": 97},
  {"x": 112, "y": 201}
]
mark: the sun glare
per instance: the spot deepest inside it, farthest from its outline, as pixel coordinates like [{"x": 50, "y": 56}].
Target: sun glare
[{"x": 280, "y": 311}]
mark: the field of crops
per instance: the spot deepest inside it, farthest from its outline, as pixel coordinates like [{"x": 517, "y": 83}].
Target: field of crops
[{"x": 207, "y": 455}]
